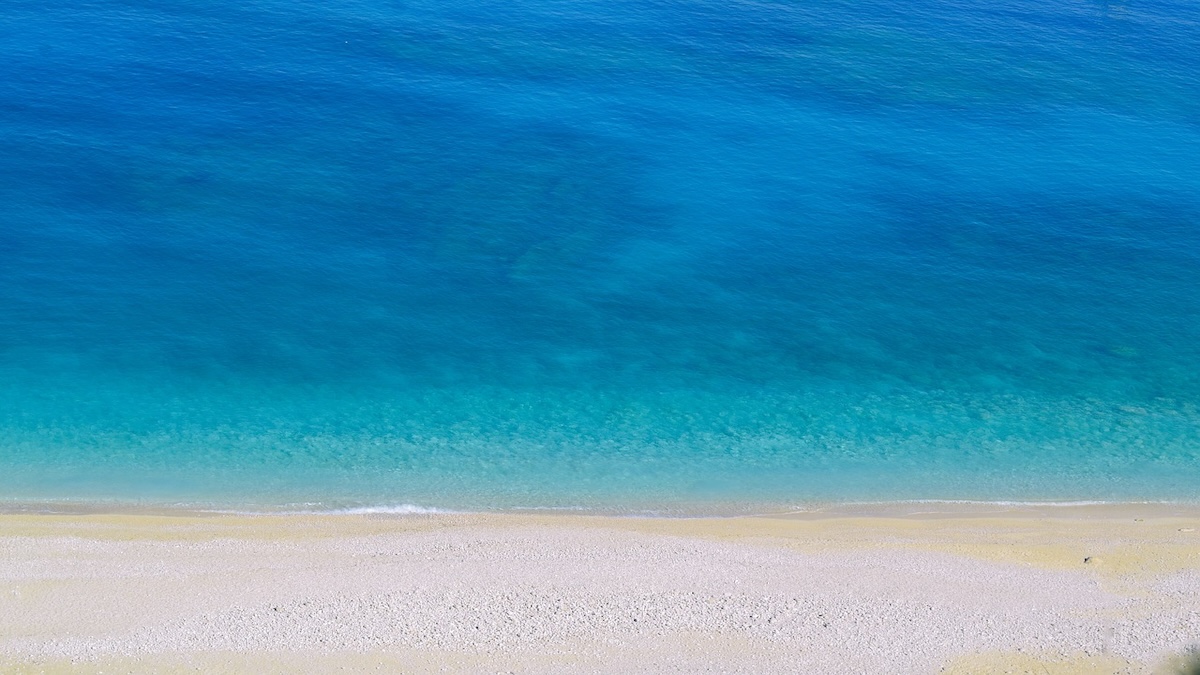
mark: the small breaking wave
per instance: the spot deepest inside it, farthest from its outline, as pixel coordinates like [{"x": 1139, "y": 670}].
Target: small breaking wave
[{"x": 392, "y": 510}]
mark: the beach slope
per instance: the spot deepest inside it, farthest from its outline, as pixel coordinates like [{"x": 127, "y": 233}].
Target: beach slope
[{"x": 903, "y": 588}]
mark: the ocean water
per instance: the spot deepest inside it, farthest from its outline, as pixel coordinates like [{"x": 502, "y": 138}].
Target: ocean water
[{"x": 624, "y": 255}]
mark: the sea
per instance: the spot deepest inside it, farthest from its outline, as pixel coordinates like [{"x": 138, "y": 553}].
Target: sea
[{"x": 620, "y": 256}]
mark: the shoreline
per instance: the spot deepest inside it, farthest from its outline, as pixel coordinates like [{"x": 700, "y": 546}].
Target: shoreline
[
  {"x": 900, "y": 508},
  {"x": 915, "y": 587}
]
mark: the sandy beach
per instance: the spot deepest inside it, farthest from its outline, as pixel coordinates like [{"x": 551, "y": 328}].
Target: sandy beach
[{"x": 905, "y": 588}]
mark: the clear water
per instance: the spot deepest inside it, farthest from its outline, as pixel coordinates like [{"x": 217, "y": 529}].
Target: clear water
[{"x": 615, "y": 254}]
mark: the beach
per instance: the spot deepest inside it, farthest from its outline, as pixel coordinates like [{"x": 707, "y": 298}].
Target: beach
[
  {"x": 906, "y": 588},
  {"x": 569, "y": 337}
]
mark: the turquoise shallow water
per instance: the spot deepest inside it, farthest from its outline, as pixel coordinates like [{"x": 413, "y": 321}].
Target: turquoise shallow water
[{"x": 610, "y": 255}]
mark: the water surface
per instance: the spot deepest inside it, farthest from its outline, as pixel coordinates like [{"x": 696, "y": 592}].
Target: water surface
[{"x": 612, "y": 254}]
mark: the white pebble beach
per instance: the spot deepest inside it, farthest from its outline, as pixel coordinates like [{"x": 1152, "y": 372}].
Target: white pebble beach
[{"x": 901, "y": 588}]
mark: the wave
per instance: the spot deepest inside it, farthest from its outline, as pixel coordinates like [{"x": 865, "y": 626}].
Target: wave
[{"x": 396, "y": 509}]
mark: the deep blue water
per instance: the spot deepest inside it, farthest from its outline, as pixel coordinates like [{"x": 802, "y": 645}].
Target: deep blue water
[{"x": 615, "y": 254}]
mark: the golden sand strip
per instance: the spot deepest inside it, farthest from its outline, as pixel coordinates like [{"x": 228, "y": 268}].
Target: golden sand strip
[{"x": 905, "y": 588}]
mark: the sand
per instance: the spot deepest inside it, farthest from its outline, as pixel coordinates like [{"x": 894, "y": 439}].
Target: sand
[{"x": 896, "y": 589}]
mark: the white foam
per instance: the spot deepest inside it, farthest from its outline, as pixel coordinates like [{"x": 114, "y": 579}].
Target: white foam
[{"x": 397, "y": 509}]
